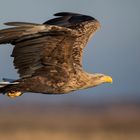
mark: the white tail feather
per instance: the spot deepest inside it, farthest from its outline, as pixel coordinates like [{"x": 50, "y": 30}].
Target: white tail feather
[{"x": 6, "y": 82}]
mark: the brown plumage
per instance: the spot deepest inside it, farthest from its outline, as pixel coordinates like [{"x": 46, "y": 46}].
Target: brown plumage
[{"x": 48, "y": 56}]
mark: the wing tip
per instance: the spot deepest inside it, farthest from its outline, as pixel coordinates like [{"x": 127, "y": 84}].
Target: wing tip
[
  {"x": 20, "y": 24},
  {"x": 66, "y": 14}
]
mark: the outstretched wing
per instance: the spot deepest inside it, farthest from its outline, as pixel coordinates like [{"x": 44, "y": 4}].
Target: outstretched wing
[
  {"x": 38, "y": 46},
  {"x": 41, "y": 48}
]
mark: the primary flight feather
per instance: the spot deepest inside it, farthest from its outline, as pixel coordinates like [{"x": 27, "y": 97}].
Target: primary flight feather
[{"x": 48, "y": 56}]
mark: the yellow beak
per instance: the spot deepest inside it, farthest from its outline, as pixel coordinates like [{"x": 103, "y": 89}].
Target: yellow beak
[{"x": 107, "y": 79}]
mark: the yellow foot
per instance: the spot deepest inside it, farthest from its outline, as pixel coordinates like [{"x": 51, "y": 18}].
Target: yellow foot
[{"x": 13, "y": 94}]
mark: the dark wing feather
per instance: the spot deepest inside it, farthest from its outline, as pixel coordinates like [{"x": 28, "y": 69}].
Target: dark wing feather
[
  {"x": 68, "y": 19},
  {"x": 64, "y": 19},
  {"x": 61, "y": 21},
  {"x": 20, "y": 24},
  {"x": 66, "y": 14}
]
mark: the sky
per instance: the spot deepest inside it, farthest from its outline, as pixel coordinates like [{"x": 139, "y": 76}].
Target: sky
[{"x": 114, "y": 50}]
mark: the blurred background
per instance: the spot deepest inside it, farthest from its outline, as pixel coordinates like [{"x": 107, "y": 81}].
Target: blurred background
[{"x": 110, "y": 111}]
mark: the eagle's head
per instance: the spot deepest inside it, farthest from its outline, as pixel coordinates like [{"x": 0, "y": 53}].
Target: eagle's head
[{"x": 97, "y": 79}]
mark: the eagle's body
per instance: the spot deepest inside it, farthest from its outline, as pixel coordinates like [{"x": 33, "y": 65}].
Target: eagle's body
[{"x": 49, "y": 56}]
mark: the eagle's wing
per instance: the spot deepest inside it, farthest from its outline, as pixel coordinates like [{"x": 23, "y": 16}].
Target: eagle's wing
[
  {"x": 58, "y": 43},
  {"x": 39, "y": 46}
]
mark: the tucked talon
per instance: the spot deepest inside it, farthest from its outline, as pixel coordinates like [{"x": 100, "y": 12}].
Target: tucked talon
[{"x": 13, "y": 94}]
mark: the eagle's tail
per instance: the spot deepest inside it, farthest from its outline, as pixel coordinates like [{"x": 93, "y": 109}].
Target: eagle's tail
[{"x": 6, "y": 84}]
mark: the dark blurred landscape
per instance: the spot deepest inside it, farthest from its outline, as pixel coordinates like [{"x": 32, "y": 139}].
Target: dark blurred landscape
[{"x": 70, "y": 121}]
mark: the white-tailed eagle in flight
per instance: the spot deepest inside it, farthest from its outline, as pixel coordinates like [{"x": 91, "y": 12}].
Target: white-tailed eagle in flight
[{"x": 48, "y": 56}]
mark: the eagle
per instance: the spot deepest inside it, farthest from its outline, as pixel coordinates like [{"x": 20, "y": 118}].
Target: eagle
[{"x": 48, "y": 56}]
